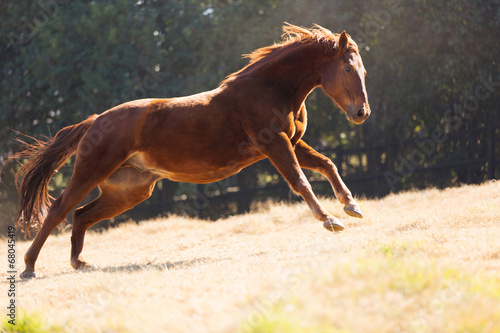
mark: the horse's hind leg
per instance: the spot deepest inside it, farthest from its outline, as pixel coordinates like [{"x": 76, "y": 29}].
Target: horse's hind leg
[
  {"x": 123, "y": 190},
  {"x": 74, "y": 193},
  {"x": 89, "y": 172}
]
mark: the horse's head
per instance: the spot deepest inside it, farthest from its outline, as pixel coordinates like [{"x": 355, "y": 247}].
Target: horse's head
[{"x": 343, "y": 79}]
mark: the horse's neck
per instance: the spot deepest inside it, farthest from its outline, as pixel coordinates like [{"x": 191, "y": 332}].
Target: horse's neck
[
  {"x": 295, "y": 73},
  {"x": 304, "y": 88}
]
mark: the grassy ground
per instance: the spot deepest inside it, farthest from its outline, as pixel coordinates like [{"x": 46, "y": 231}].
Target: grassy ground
[{"x": 418, "y": 262}]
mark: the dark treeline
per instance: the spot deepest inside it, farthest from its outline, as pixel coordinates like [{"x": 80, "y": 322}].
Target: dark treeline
[{"x": 433, "y": 83}]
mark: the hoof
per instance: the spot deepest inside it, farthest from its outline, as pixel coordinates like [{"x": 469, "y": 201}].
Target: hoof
[
  {"x": 27, "y": 275},
  {"x": 333, "y": 224},
  {"x": 353, "y": 210},
  {"x": 83, "y": 266},
  {"x": 88, "y": 268}
]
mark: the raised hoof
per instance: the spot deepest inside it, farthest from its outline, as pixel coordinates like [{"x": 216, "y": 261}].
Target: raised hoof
[
  {"x": 333, "y": 224},
  {"x": 353, "y": 210},
  {"x": 27, "y": 275}
]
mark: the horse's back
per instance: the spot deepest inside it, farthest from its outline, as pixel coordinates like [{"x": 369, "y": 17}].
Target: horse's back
[{"x": 192, "y": 139}]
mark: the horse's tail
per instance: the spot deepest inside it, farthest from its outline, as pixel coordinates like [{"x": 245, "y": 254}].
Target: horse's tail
[{"x": 44, "y": 159}]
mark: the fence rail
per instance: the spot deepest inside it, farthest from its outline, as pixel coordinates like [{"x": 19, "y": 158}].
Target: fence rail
[{"x": 371, "y": 176}]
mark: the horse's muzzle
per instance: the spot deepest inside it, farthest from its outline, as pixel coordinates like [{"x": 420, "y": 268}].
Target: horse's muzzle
[{"x": 357, "y": 115}]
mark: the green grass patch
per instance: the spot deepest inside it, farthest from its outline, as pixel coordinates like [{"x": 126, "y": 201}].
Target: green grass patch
[
  {"x": 29, "y": 323},
  {"x": 396, "y": 284},
  {"x": 400, "y": 249},
  {"x": 279, "y": 319}
]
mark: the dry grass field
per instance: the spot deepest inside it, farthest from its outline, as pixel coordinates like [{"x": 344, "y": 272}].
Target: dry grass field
[{"x": 426, "y": 261}]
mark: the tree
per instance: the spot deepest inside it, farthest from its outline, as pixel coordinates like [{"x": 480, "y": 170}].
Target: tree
[{"x": 64, "y": 60}]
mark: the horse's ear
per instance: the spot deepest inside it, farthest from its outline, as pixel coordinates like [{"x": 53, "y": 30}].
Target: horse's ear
[{"x": 343, "y": 41}]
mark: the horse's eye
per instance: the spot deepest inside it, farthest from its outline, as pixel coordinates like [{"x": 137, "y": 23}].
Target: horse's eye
[{"x": 349, "y": 69}]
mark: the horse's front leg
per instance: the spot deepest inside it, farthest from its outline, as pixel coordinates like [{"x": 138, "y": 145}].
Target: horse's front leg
[
  {"x": 282, "y": 155},
  {"x": 310, "y": 159}
]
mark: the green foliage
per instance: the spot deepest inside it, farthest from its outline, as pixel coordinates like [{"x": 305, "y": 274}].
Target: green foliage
[
  {"x": 29, "y": 323},
  {"x": 64, "y": 60}
]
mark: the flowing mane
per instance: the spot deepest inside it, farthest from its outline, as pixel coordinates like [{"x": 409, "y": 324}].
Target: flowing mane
[{"x": 295, "y": 35}]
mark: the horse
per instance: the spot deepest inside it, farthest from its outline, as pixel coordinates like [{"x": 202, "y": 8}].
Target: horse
[{"x": 255, "y": 113}]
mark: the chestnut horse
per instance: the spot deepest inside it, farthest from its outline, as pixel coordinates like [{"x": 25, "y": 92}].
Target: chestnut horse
[{"x": 255, "y": 113}]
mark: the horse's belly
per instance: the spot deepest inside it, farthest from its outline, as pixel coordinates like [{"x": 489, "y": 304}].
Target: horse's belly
[{"x": 193, "y": 169}]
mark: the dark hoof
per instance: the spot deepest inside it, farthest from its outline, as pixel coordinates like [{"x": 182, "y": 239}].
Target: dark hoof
[
  {"x": 333, "y": 224},
  {"x": 27, "y": 275},
  {"x": 353, "y": 210}
]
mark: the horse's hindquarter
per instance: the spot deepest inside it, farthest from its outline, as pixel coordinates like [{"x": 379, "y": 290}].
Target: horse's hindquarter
[{"x": 193, "y": 139}]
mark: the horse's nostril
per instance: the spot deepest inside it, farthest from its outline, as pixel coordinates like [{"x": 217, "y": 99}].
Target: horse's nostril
[{"x": 361, "y": 113}]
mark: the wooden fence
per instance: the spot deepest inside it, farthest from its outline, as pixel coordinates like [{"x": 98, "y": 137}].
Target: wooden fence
[{"x": 371, "y": 171}]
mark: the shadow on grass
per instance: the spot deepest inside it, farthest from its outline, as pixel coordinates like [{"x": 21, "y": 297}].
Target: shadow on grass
[
  {"x": 161, "y": 266},
  {"x": 131, "y": 268}
]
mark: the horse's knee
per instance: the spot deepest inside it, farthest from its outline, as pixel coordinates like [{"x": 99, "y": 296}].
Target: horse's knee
[
  {"x": 301, "y": 186},
  {"x": 330, "y": 166}
]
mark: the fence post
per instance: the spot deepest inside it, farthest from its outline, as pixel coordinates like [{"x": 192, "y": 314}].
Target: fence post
[
  {"x": 199, "y": 193},
  {"x": 338, "y": 159},
  {"x": 491, "y": 151}
]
